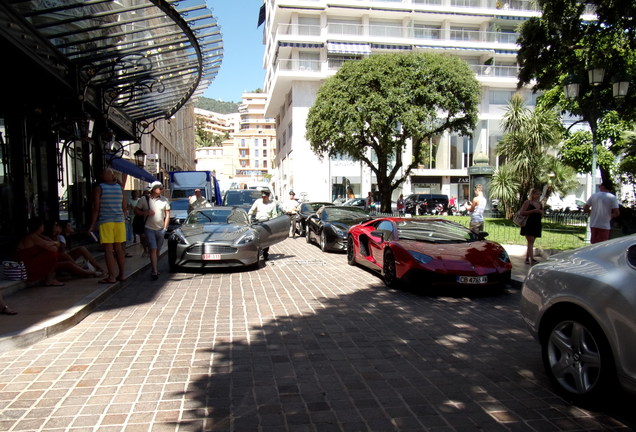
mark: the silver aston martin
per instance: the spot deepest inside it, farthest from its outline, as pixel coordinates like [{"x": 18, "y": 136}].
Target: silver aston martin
[{"x": 223, "y": 237}]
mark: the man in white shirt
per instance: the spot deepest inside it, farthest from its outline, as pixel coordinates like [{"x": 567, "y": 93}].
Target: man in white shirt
[
  {"x": 157, "y": 211},
  {"x": 262, "y": 210},
  {"x": 602, "y": 207},
  {"x": 197, "y": 201},
  {"x": 291, "y": 208}
]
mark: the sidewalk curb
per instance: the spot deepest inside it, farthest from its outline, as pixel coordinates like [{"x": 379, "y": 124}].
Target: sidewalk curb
[{"x": 68, "y": 318}]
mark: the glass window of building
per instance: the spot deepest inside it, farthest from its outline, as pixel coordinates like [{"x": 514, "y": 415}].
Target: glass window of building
[
  {"x": 386, "y": 28},
  {"x": 309, "y": 25},
  {"x": 336, "y": 26}
]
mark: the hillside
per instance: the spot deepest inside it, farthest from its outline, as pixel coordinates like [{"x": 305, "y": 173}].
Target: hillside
[{"x": 216, "y": 106}]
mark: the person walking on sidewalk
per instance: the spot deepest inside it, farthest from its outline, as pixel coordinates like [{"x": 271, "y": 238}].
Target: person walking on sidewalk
[
  {"x": 602, "y": 207},
  {"x": 157, "y": 211},
  {"x": 109, "y": 209}
]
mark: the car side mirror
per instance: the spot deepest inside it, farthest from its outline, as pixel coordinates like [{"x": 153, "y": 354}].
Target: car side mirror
[
  {"x": 383, "y": 234},
  {"x": 482, "y": 235}
]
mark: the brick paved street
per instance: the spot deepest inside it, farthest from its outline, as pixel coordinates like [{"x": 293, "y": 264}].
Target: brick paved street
[{"x": 305, "y": 343}]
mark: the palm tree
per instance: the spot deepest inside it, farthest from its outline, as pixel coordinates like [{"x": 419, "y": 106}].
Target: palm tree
[
  {"x": 528, "y": 137},
  {"x": 505, "y": 187}
]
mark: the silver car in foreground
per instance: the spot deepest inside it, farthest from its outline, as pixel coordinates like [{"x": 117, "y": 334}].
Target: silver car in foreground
[
  {"x": 223, "y": 237},
  {"x": 581, "y": 307}
]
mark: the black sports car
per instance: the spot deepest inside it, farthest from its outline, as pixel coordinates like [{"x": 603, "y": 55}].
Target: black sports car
[
  {"x": 306, "y": 210},
  {"x": 329, "y": 226}
]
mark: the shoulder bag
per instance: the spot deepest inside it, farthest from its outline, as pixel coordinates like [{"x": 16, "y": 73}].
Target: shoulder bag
[
  {"x": 519, "y": 219},
  {"x": 139, "y": 222}
]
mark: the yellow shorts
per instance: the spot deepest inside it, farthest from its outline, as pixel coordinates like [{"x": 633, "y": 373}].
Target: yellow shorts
[{"x": 112, "y": 232}]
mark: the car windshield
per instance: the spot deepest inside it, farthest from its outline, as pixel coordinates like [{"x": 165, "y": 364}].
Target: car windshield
[
  {"x": 217, "y": 215},
  {"x": 434, "y": 231},
  {"x": 340, "y": 214},
  {"x": 242, "y": 197},
  {"x": 312, "y": 207}
]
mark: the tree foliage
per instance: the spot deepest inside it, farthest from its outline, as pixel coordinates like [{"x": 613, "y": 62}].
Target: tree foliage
[
  {"x": 566, "y": 42},
  {"x": 530, "y": 136},
  {"x": 217, "y": 106},
  {"x": 372, "y": 108}
]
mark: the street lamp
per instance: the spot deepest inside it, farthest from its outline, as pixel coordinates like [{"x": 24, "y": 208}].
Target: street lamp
[{"x": 591, "y": 114}]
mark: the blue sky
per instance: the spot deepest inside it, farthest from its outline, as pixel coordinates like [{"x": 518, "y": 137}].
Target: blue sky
[{"x": 242, "y": 66}]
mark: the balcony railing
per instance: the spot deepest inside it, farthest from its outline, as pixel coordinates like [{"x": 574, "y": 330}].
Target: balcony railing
[
  {"x": 524, "y": 5},
  {"x": 299, "y": 65},
  {"x": 395, "y": 32}
]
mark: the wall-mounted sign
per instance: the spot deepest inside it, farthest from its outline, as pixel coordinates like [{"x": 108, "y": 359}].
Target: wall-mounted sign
[
  {"x": 460, "y": 180},
  {"x": 152, "y": 163}
]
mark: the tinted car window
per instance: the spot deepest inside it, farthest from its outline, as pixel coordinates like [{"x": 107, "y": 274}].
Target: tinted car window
[
  {"x": 244, "y": 197},
  {"x": 216, "y": 216},
  {"x": 434, "y": 232},
  {"x": 343, "y": 214}
]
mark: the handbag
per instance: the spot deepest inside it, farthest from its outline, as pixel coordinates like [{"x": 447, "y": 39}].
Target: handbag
[
  {"x": 139, "y": 222},
  {"x": 14, "y": 270},
  {"x": 519, "y": 219}
]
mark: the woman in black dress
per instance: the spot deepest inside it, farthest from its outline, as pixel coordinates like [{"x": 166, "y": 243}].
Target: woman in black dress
[{"x": 534, "y": 210}]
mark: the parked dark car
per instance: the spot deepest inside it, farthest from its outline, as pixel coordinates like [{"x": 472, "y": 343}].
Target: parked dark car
[
  {"x": 223, "y": 237},
  {"x": 419, "y": 204},
  {"x": 428, "y": 252},
  {"x": 329, "y": 226},
  {"x": 306, "y": 210},
  {"x": 241, "y": 197}
]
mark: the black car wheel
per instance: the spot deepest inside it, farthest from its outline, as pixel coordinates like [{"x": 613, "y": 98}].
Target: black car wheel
[
  {"x": 308, "y": 236},
  {"x": 323, "y": 241},
  {"x": 351, "y": 257},
  {"x": 257, "y": 264},
  {"x": 577, "y": 357},
  {"x": 389, "y": 272}
]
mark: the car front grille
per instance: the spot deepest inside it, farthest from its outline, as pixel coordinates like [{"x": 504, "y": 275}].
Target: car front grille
[{"x": 200, "y": 249}]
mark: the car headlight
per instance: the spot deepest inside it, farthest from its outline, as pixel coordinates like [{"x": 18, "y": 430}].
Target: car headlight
[
  {"x": 421, "y": 258},
  {"x": 503, "y": 257},
  {"x": 338, "y": 231},
  {"x": 246, "y": 238},
  {"x": 178, "y": 236}
]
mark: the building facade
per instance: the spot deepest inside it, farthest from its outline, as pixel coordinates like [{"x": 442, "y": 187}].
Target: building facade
[
  {"x": 306, "y": 41},
  {"x": 247, "y": 153}
]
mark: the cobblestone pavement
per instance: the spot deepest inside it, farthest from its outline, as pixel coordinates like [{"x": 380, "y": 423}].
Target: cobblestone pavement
[{"x": 305, "y": 343}]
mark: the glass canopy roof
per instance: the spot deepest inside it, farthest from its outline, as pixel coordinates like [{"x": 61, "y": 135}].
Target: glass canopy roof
[{"x": 149, "y": 57}]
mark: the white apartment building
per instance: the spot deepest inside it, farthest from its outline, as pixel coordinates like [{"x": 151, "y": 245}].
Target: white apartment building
[
  {"x": 247, "y": 156},
  {"x": 306, "y": 41}
]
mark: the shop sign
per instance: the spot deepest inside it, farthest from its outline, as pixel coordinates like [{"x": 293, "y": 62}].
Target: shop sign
[
  {"x": 152, "y": 163},
  {"x": 460, "y": 180}
]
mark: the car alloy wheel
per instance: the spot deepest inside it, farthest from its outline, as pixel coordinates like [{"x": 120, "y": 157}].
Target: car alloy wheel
[
  {"x": 389, "y": 272},
  {"x": 323, "y": 241},
  {"x": 577, "y": 358},
  {"x": 351, "y": 257}
]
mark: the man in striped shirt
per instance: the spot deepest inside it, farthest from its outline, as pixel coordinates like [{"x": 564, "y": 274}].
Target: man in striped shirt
[{"x": 109, "y": 208}]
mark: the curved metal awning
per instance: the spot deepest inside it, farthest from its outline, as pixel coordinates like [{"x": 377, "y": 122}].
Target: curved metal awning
[{"x": 146, "y": 57}]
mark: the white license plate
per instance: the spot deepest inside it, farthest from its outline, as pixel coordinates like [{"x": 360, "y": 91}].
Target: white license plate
[
  {"x": 472, "y": 279},
  {"x": 211, "y": 257}
]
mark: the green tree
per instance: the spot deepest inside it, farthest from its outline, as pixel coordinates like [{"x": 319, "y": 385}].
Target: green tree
[
  {"x": 531, "y": 138},
  {"x": 563, "y": 44},
  {"x": 371, "y": 109},
  {"x": 504, "y": 186}
]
